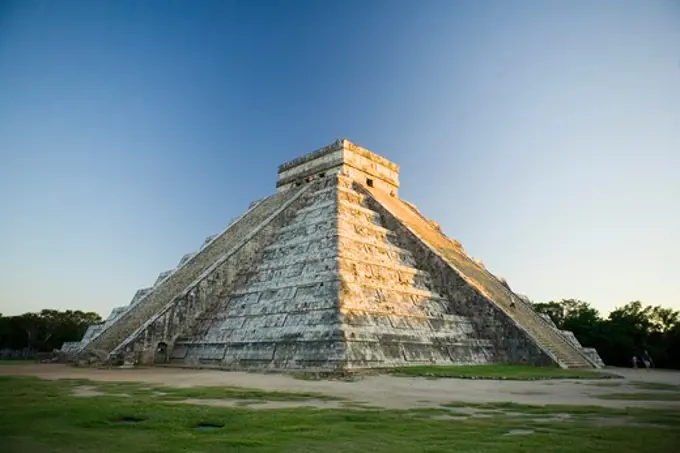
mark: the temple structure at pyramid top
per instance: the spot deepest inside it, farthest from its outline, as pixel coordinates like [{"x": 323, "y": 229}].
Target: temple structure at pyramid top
[
  {"x": 332, "y": 271},
  {"x": 341, "y": 157}
]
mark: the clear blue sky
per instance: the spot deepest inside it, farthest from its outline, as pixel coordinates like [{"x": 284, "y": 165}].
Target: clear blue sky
[{"x": 544, "y": 135}]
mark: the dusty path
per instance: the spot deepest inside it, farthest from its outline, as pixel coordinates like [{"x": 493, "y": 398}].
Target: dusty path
[{"x": 386, "y": 391}]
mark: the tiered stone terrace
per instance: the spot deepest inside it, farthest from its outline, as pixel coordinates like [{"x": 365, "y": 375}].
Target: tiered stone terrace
[{"x": 333, "y": 271}]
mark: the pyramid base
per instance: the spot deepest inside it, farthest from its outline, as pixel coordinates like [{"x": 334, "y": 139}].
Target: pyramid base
[{"x": 325, "y": 356}]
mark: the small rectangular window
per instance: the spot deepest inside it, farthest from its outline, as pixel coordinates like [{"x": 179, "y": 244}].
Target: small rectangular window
[{"x": 369, "y": 182}]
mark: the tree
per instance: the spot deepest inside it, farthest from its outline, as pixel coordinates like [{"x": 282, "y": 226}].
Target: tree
[
  {"x": 628, "y": 330},
  {"x": 46, "y": 330},
  {"x": 552, "y": 309}
]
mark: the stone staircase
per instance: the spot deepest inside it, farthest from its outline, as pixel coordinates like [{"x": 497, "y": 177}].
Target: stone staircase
[
  {"x": 562, "y": 351},
  {"x": 184, "y": 276},
  {"x": 554, "y": 343}
]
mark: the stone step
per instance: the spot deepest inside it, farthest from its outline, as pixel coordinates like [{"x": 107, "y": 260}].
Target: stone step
[
  {"x": 546, "y": 337},
  {"x": 298, "y": 225},
  {"x": 406, "y": 290},
  {"x": 314, "y": 208},
  {"x": 409, "y": 270},
  {"x": 474, "y": 274},
  {"x": 138, "y": 315},
  {"x": 347, "y": 209},
  {"x": 294, "y": 261},
  {"x": 359, "y": 247},
  {"x": 298, "y": 241},
  {"x": 309, "y": 281}
]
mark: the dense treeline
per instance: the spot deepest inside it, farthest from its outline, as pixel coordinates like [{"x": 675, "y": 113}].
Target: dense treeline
[
  {"x": 44, "y": 331},
  {"x": 628, "y": 331}
]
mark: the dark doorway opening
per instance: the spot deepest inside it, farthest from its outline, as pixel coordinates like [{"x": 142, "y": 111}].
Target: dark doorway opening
[{"x": 161, "y": 353}]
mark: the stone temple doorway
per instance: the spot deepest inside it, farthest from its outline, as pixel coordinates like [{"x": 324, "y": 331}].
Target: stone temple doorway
[{"x": 161, "y": 353}]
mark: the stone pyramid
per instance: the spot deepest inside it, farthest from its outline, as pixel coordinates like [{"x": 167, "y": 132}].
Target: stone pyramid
[{"x": 333, "y": 271}]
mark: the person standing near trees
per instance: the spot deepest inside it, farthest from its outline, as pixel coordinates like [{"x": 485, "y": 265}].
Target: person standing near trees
[{"x": 647, "y": 360}]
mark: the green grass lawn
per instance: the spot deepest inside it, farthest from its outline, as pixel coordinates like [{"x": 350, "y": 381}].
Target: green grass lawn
[
  {"x": 17, "y": 362},
  {"x": 40, "y": 416},
  {"x": 656, "y": 386},
  {"x": 516, "y": 372}
]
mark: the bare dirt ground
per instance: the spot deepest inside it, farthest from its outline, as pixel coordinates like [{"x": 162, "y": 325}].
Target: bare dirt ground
[{"x": 387, "y": 391}]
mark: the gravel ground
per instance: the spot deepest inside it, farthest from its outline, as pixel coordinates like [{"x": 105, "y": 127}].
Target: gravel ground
[{"x": 383, "y": 390}]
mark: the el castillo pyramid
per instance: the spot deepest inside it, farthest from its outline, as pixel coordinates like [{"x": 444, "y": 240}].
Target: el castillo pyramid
[{"x": 331, "y": 272}]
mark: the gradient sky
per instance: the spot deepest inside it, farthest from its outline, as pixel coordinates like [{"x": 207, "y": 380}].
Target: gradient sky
[{"x": 544, "y": 135}]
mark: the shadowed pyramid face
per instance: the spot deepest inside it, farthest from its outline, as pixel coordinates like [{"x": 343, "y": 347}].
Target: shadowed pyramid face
[{"x": 341, "y": 157}]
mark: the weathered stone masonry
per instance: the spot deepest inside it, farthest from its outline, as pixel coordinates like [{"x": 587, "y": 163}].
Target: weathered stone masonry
[
  {"x": 285, "y": 316},
  {"x": 509, "y": 344},
  {"x": 177, "y": 281},
  {"x": 333, "y": 271},
  {"x": 207, "y": 299}
]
